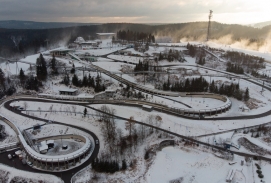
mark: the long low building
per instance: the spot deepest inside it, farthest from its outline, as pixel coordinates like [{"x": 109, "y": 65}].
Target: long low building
[{"x": 68, "y": 92}]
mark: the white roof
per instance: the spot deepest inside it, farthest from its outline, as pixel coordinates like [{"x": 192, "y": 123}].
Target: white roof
[
  {"x": 43, "y": 143},
  {"x": 18, "y": 152},
  {"x": 88, "y": 42},
  {"x": 42, "y": 148},
  {"x": 60, "y": 49},
  {"x": 68, "y": 90},
  {"x": 147, "y": 106},
  {"x": 50, "y": 141}
]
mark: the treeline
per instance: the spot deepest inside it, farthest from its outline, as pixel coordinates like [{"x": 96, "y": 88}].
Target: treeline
[
  {"x": 169, "y": 55},
  {"x": 119, "y": 145},
  {"x": 132, "y": 36},
  {"x": 141, "y": 66},
  {"x": 6, "y": 85},
  {"x": 193, "y": 85},
  {"x": 231, "y": 90},
  {"x": 103, "y": 165},
  {"x": 192, "y": 50},
  {"x": 234, "y": 68},
  {"x": 248, "y": 62},
  {"x": 30, "y": 41},
  {"x": 41, "y": 68},
  {"x": 34, "y": 82},
  {"x": 201, "y": 85},
  {"x": 86, "y": 81},
  {"x": 201, "y": 60},
  {"x": 257, "y": 74},
  {"x": 29, "y": 82}
]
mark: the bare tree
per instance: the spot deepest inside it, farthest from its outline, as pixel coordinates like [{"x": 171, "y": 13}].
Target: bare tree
[
  {"x": 108, "y": 126},
  {"x": 74, "y": 109},
  {"x": 25, "y": 105},
  {"x": 150, "y": 121},
  {"x": 158, "y": 122},
  {"x": 129, "y": 125},
  {"x": 51, "y": 108},
  {"x": 39, "y": 109}
]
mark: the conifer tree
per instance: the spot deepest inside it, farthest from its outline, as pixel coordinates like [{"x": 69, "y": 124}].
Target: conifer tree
[
  {"x": 75, "y": 80},
  {"x": 41, "y": 68},
  {"x": 53, "y": 65},
  {"x": 73, "y": 69},
  {"x": 22, "y": 76},
  {"x": 124, "y": 165},
  {"x": 85, "y": 112},
  {"x": 246, "y": 97}
]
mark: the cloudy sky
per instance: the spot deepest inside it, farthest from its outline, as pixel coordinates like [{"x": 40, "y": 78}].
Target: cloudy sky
[{"x": 137, "y": 11}]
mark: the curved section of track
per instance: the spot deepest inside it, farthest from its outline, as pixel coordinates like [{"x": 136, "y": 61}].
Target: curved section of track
[
  {"x": 6, "y": 105},
  {"x": 66, "y": 175}
]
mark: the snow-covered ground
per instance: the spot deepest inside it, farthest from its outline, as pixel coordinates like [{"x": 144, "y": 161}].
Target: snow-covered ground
[
  {"x": 131, "y": 59},
  {"x": 10, "y": 134},
  {"x": 24, "y": 176},
  {"x": 238, "y": 46},
  {"x": 196, "y": 166},
  {"x": 192, "y": 165}
]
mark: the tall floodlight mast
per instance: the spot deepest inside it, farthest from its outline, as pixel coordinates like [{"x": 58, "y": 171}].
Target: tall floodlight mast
[{"x": 209, "y": 25}]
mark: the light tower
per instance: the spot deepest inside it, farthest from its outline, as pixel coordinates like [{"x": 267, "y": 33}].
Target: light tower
[{"x": 209, "y": 25}]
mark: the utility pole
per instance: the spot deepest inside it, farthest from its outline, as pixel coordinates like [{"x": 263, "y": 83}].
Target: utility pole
[{"x": 209, "y": 25}]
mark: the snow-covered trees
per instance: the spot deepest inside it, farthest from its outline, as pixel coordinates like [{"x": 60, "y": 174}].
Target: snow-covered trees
[
  {"x": 85, "y": 112},
  {"x": 53, "y": 65},
  {"x": 246, "y": 96},
  {"x": 2, "y": 79},
  {"x": 22, "y": 76},
  {"x": 130, "y": 125},
  {"x": 41, "y": 68},
  {"x": 73, "y": 69}
]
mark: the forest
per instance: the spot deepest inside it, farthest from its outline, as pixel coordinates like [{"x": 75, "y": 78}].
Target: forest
[{"x": 28, "y": 41}]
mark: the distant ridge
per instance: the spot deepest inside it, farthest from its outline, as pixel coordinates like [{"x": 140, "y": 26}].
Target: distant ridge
[
  {"x": 18, "y": 24},
  {"x": 261, "y": 24}
]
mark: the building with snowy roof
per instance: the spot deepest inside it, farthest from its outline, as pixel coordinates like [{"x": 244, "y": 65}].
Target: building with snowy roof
[
  {"x": 43, "y": 148},
  {"x": 60, "y": 52},
  {"x": 68, "y": 92},
  {"x": 79, "y": 40}
]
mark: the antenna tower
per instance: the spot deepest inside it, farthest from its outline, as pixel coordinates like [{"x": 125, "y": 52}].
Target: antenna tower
[{"x": 209, "y": 25}]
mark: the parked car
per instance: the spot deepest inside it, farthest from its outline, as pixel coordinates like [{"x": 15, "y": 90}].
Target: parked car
[
  {"x": 20, "y": 108},
  {"x": 29, "y": 163},
  {"x": 9, "y": 156},
  {"x": 97, "y": 141}
]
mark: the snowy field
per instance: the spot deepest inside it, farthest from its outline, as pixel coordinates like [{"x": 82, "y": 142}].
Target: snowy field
[
  {"x": 196, "y": 166},
  {"x": 190, "y": 165},
  {"x": 9, "y": 174},
  {"x": 176, "y": 124},
  {"x": 239, "y": 47},
  {"x": 10, "y": 134}
]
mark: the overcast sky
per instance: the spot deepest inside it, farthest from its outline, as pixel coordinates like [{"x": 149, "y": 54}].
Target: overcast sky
[{"x": 137, "y": 11}]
